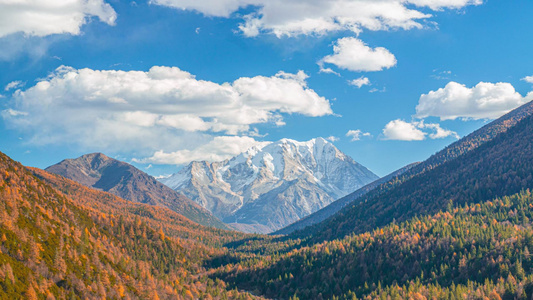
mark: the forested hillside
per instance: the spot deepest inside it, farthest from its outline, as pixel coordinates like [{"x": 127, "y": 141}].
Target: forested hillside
[
  {"x": 501, "y": 166},
  {"x": 463, "y": 146},
  {"x": 243, "y": 137},
  {"x": 458, "y": 230},
  {"x": 89, "y": 244},
  {"x": 468, "y": 251}
]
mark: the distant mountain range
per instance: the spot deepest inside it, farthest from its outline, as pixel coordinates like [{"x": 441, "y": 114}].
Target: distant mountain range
[
  {"x": 98, "y": 171},
  {"x": 269, "y": 187}
]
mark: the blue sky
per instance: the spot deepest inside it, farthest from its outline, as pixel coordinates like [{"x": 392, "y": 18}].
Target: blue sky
[{"x": 79, "y": 77}]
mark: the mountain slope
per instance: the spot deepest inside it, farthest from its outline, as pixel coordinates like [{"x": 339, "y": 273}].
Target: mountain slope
[
  {"x": 337, "y": 205},
  {"x": 83, "y": 243},
  {"x": 119, "y": 178},
  {"x": 268, "y": 187},
  {"x": 456, "y": 149},
  {"x": 499, "y": 167},
  {"x": 173, "y": 223}
]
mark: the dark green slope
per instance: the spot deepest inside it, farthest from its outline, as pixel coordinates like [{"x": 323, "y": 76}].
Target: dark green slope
[
  {"x": 501, "y": 166},
  {"x": 456, "y": 149},
  {"x": 476, "y": 251}
]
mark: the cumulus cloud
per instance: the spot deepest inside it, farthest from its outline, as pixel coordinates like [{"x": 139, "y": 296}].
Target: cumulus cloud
[
  {"x": 41, "y": 18},
  {"x": 414, "y": 131},
  {"x": 215, "y": 8},
  {"x": 357, "y": 134},
  {"x": 403, "y": 131},
  {"x": 218, "y": 149},
  {"x": 359, "y": 82},
  {"x": 483, "y": 101},
  {"x": 528, "y": 79},
  {"x": 354, "y": 55},
  {"x": 296, "y": 17},
  {"x": 164, "y": 108}
]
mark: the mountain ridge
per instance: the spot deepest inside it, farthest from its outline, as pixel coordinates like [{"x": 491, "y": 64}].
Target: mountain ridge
[
  {"x": 101, "y": 172},
  {"x": 487, "y": 170},
  {"x": 452, "y": 151},
  {"x": 273, "y": 184}
]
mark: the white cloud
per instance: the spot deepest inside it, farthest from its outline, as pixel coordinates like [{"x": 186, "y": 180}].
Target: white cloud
[
  {"x": 439, "y": 132},
  {"x": 215, "y": 8},
  {"x": 13, "y": 85},
  {"x": 405, "y": 131},
  {"x": 528, "y": 79},
  {"x": 328, "y": 71},
  {"x": 332, "y": 139},
  {"x": 440, "y": 4},
  {"x": 485, "y": 100},
  {"x": 359, "y": 82},
  {"x": 163, "y": 109},
  {"x": 218, "y": 149},
  {"x": 41, "y": 18},
  {"x": 295, "y": 17},
  {"x": 357, "y": 134},
  {"x": 354, "y": 55}
]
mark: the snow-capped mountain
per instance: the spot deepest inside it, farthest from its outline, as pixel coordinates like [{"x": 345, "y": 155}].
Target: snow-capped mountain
[{"x": 269, "y": 187}]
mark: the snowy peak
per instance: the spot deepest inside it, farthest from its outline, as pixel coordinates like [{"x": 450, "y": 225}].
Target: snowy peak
[
  {"x": 288, "y": 158},
  {"x": 295, "y": 177}
]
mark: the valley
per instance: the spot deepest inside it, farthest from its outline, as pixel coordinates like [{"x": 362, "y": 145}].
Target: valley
[
  {"x": 266, "y": 149},
  {"x": 447, "y": 228}
]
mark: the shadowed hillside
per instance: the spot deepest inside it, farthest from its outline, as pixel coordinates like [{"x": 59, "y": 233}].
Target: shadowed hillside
[
  {"x": 464, "y": 145},
  {"x": 493, "y": 161},
  {"x": 124, "y": 180}
]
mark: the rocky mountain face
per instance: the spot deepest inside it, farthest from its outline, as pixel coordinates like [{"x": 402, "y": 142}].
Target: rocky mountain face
[
  {"x": 98, "y": 171},
  {"x": 269, "y": 187},
  {"x": 337, "y": 205}
]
